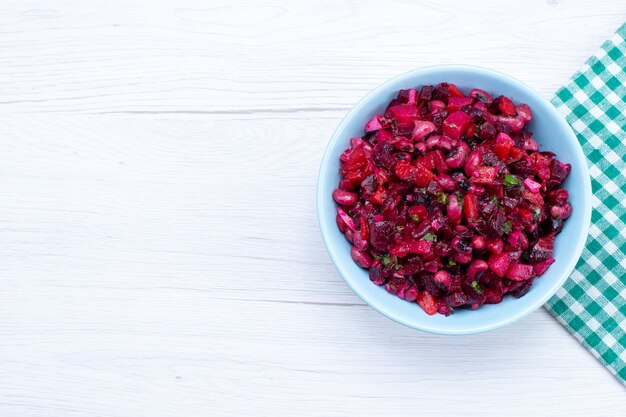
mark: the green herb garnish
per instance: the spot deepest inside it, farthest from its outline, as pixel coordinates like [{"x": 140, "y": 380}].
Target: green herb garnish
[
  {"x": 510, "y": 180},
  {"x": 476, "y": 287},
  {"x": 506, "y": 227},
  {"x": 442, "y": 198},
  {"x": 536, "y": 213},
  {"x": 430, "y": 236},
  {"x": 386, "y": 260},
  {"x": 399, "y": 228},
  {"x": 451, "y": 262}
]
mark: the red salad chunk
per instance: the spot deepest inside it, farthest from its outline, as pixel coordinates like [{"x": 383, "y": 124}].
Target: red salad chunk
[{"x": 448, "y": 201}]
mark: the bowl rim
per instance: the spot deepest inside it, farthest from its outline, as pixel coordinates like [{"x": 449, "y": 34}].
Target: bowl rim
[{"x": 384, "y": 309}]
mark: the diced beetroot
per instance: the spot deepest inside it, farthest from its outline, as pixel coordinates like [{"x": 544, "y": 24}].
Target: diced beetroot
[
  {"x": 520, "y": 272},
  {"x": 398, "y": 286},
  {"x": 379, "y": 196},
  {"x": 514, "y": 238},
  {"x": 401, "y": 284},
  {"x": 454, "y": 91},
  {"x": 531, "y": 145},
  {"x": 346, "y": 185},
  {"x": 427, "y": 302},
  {"x": 426, "y": 161},
  {"x": 525, "y": 215},
  {"x": 399, "y": 250},
  {"x": 358, "y": 143},
  {"x": 559, "y": 171},
  {"x": 405, "y": 171},
  {"x": 503, "y": 145},
  {"x": 541, "y": 165},
  {"x": 471, "y": 130},
  {"x": 439, "y": 161},
  {"x": 420, "y": 247},
  {"x": 534, "y": 198},
  {"x": 541, "y": 267},
  {"x": 423, "y": 176},
  {"x": 417, "y": 174},
  {"x": 455, "y": 125},
  {"x": 455, "y": 103},
  {"x": 412, "y": 99},
  {"x": 410, "y": 294},
  {"x": 381, "y": 234},
  {"x": 356, "y": 167},
  {"x": 480, "y": 105},
  {"x": 499, "y": 263},
  {"x": 426, "y": 93},
  {"x": 436, "y": 105},
  {"x": 523, "y": 241},
  {"x": 373, "y": 124},
  {"x": 365, "y": 229},
  {"x": 506, "y": 107},
  {"x": 494, "y": 245},
  {"x": 417, "y": 213},
  {"x": 404, "y": 114},
  {"x": 382, "y": 175},
  {"x": 484, "y": 175},
  {"x": 515, "y": 154},
  {"x": 493, "y": 295},
  {"x": 470, "y": 207},
  {"x": 384, "y": 135},
  {"x": 542, "y": 249},
  {"x": 558, "y": 196}
]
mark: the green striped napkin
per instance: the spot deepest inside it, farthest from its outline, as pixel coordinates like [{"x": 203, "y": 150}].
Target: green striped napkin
[{"x": 592, "y": 303}]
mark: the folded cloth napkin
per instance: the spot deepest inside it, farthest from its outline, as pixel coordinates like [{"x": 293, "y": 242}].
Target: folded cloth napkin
[{"x": 592, "y": 303}]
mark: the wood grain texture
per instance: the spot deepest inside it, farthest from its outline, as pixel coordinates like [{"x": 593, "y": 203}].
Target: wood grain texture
[{"x": 161, "y": 255}]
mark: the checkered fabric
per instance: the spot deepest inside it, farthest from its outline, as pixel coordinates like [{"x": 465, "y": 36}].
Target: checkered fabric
[{"x": 592, "y": 303}]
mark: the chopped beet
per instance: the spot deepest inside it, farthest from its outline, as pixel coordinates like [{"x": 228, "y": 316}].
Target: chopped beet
[
  {"x": 447, "y": 200},
  {"x": 455, "y": 125}
]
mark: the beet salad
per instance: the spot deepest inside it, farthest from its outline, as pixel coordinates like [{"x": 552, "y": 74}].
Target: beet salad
[{"x": 448, "y": 201}]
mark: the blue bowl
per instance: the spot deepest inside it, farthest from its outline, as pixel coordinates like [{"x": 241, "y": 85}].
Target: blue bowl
[{"x": 551, "y": 132}]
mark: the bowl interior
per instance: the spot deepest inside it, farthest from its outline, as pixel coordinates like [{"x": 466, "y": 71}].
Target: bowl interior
[{"x": 550, "y": 131}]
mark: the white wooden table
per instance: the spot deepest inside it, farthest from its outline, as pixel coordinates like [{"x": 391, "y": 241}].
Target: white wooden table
[{"x": 160, "y": 251}]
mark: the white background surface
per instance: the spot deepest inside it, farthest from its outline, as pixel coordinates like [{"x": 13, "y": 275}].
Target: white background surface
[{"x": 160, "y": 252}]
